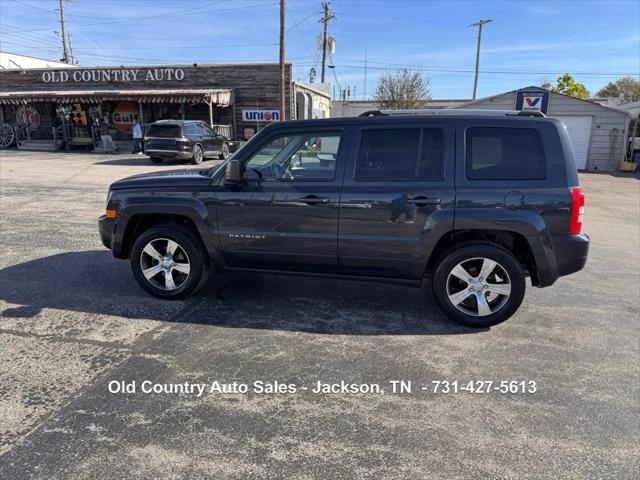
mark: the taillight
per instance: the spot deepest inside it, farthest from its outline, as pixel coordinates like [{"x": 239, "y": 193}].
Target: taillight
[{"x": 577, "y": 211}]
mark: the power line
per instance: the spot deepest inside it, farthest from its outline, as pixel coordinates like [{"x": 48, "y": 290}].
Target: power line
[
  {"x": 493, "y": 72},
  {"x": 187, "y": 12}
]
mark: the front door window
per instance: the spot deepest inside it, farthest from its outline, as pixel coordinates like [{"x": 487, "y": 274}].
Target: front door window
[{"x": 296, "y": 157}]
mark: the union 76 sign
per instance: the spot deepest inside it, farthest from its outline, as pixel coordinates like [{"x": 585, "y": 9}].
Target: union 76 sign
[{"x": 260, "y": 115}]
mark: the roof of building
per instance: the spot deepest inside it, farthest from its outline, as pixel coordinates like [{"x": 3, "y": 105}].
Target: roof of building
[
  {"x": 218, "y": 96},
  {"x": 15, "y": 61},
  {"x": 534, "y": 87}
]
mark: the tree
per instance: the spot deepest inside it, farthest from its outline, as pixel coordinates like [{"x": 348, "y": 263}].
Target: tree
[
  {"x": 402, "y": 90},
  {"x": 567, "y": 85},
  {"x": 626, "y": 88}
]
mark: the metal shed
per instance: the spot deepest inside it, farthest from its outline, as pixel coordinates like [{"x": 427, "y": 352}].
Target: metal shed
[{"x": 598, "y": 132}]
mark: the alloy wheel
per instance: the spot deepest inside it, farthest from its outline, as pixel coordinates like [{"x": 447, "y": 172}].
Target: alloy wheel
[
  {"x": 478, "y": 286},
  {"x": 197, "y": 154},
  {"x": 165, "y": 264}
]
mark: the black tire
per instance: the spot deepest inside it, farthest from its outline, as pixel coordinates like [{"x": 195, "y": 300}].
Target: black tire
[
  {"x": 189, "y": 251},
  {"x": 224, "y": 153},
  {"x": 156, "y": 159},
  {"x": 197, "y": 156},
  {"x": 471, "y": 257}
]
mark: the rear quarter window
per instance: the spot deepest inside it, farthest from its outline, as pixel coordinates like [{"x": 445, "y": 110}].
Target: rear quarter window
[{"x": 495, "y": 153}]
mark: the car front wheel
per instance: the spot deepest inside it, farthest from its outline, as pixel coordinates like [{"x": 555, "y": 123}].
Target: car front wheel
[
  {"x": 479, "y": 285},
  {"x": 168, "y": 262}
]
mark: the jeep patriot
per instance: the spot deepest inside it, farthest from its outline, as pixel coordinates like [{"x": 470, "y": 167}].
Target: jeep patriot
[{"x": 474, "y": 201}]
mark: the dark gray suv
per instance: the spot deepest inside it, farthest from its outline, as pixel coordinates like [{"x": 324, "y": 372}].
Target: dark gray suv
[
  {"x": 192, "y": 140},
  {"x": 474, "y": 201}
]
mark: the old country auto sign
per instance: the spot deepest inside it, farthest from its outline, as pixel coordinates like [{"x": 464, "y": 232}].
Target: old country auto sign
[
  {"x": 260, "y": 115},
  {"x": 113, "y": 75}
]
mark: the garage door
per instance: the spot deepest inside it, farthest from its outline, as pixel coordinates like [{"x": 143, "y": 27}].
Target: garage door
[{"x": 579, "y": 128}]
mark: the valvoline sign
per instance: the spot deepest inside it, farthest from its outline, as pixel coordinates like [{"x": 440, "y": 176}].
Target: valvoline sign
[
  {"x": 536, "y": 100},
  {"x": 260, "y": 115}
]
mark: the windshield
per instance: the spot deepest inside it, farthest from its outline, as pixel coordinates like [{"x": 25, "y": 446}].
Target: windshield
[{"x": 212, "y": 171}]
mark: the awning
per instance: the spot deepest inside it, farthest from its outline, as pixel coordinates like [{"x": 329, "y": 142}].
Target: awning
[{"x": 220, "y": 97}]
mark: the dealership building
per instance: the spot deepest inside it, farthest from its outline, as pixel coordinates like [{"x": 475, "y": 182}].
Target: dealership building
[{"x": 50, "y": 107}]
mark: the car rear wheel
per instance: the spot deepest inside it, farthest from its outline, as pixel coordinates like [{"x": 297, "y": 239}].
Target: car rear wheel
[
  {"x": 224, "y": 153},
  {"x": 479, "y": 285},
  {"x": 197, "y": 156},
  {"x": 168, "y": 262},
  {"x": 156, "y": 159}
]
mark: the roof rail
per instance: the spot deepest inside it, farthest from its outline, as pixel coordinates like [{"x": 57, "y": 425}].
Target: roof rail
[{"x": 452, "y": 111}]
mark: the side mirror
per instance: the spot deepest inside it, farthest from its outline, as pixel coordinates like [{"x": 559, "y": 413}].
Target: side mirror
[{"x": 233, "y": 174}]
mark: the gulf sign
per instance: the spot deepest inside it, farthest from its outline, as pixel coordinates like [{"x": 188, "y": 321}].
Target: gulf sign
[
  {"x": 260, "y": 115},
  {"x": 122, "y": 116},
  {"x": 532, "y": 100}
]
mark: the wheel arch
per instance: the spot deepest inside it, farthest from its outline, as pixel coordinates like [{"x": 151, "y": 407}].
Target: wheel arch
[
  {"x": 143, "y": 214},
  {"x": 514, "y": 242}
]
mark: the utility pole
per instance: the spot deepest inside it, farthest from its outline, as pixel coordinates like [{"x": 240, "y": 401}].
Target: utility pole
[
  {"x": 325, "y": 20},
  {"x": 282, "y": 69},
  {"x": 364, "y": 93},
  {"x": 71, "y": 57},
  {"x": 65, "y": 51},
  {"x": 478, "y": 24}
]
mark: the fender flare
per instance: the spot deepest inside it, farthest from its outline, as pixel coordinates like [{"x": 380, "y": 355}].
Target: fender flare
[
  {"x": 527, "y": 223},
  {"x": 191, "y": 208}
]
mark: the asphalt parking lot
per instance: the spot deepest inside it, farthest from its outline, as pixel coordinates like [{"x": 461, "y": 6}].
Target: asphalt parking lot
[{"x": 73, "y": 320}]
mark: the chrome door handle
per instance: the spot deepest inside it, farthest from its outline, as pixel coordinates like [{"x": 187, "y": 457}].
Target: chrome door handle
[{"x": 312, "y": 199}]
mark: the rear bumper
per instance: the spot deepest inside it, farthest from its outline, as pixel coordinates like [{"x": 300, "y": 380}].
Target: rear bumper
[
  {"x": 165, "y": 153},
  {"x": 571, "y": 253},
  {"x": 558, "y": 255}
]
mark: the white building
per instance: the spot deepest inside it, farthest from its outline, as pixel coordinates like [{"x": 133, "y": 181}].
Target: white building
[
  {"x": 598, "y": 132},
  {"x": 353, "y": 108},
  {"x": 13, "y": 61}
]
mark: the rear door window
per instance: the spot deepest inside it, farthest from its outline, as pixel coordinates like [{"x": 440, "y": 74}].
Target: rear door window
[
  {"x": 400, "y": 154},
  {"x": 197, "y": 128},
  {"x": 494, "y": 153}
]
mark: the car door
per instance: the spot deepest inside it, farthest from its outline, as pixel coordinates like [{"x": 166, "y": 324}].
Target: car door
[
  {"x": 397, "y": 199},
  {"x": 286, "y": 215},
  {"x": 200, "y": 136},
  {"x": 213, "y": 141},
  {"x": 189, "y": 131}
]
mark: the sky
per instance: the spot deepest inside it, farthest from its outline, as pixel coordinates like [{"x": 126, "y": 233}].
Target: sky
[{"x": 527, "y": 43}]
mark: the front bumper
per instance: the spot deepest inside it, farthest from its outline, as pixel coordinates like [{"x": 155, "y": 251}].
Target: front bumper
[{"x": 106, "y": 229}]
